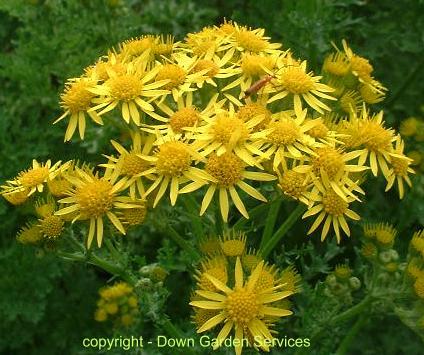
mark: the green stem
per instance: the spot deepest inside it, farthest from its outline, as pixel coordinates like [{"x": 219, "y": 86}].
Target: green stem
[
  {"x": 345, "y": 343},
  {"x": 71, "y": 256},
  {"x": 111, "y": 268},
  {"x": 174, "y": 332},
  {"x": 174, "y": 235},
  {"x": 115, "y": 253},
  {"x": 270, "y": 221},
  {"x": 273, "y": 241}
]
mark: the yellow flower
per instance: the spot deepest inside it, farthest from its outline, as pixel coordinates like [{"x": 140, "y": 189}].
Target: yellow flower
[
  {"x": 409, "y": 127},
  {"x": 294, "y": 184},
  {"x": 294, "y": 80},
  {"x": 208, "y": 44},
  {"x": 186, "y": 115},
  {"x": 399, "y": 168},
  {"x": 226, "y": 133},
  {"x": 172, "y": 166},
  {"x": 135, "y": 47},
  {"x": 94, "y": 198},
  {"x": 233, "y": 243},
  {"x": 15, "y": 198},
  {"x": 133, "y": 89},
  {"x": 242, "y": 308},
  {"x": 250, "y": 69},
  {"x": 342, "y": 272},
  {"x": 336, "y": 64},
  {"x": 417, "y": 242},
  {"x": 330, "y": 165},
  {"x": 76, "y": 101},
  {"x": 179, "y": 75},
  {"x": 130, "y": 164},
  {"x": 33, "y": 179},
  {"x": 332, "y": 208},
  {"x": 362, "y": 69},
  {"x": 286, "y": 138},
  {"x": 225, "y": 173},
  {"x": 254, "y": 41},
  {"x": 29, "y": 234}
]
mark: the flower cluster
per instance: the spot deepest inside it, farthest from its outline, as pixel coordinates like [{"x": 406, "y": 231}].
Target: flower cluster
[
  {"x": 340, "y": 284},
  {"x": 117, "y": 303},
  {"x": 236, "y": 290},
  {"x": 225, "y": 112}
]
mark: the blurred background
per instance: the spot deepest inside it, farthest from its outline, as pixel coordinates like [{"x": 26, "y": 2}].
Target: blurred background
[{"x": 46, "y": 305}]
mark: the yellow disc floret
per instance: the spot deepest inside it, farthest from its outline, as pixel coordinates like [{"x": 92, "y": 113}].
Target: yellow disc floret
[
  {"x": 185, "y": 117},
  {"x": 226, "y": 127},
  {"x": 126, "y": 87},
  {"x": 334, "y": 204},
  {"x": 284, "y": 132},
  {"x": 172, "y": 72},
  {"x": 34, "y": 177},
  {"x": 173, "y": 158},
  {"x": 296, "y": 81},
  {"x": 76, "y": 97},
  {"x": 94, "y": 198},
  {"x": 292, "y": 184},
  {"x": 249, "y": 41},
  {"x": 242, "y": 306},
  {"x": 226, "y": 168},
  {"x": 204, "y": 64},
  {"x": 132, "y": 164},
  {"x": 330, "y": 160},
  {"x": 253, "y": 65}
]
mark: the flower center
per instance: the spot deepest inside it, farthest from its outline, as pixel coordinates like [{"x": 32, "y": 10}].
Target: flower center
[
  {"x": 29, "y": 235},
  {"x": 362, "y": 66},
  {"x": 134, "y": 216},
  {"x": 59, "y": 186},
  {"x": 375, "y": 137},
  {"x": 76, "y": 97},
  {"x": 249, "y": 41},
  {"x": 52, "y": 226},
  {"x": 226, "y": 168},
  {"x": 203, "y": 64},
  {"x": 334, "y": 204},
  {"x": 233, "y": 247},
  {"x": 95, "y": 198},
  {"x": 173, "y": 159},
  {"x": 292, "y": 184},
  {"x": 284, "y": 132},
  {"x": 400, "y": 166},
  {"x": 172, "y": 72},
  {"x": 265, "y": 281},
  {"x": 226, "y": 127},
  {"x": 219, "y": 272},
  {"x": 328, "y": 159},
  {"x": 320, "y": 130},
  {"x": 17, "y": 198},
  {"x": 34, "y": 176},
  {"x": 186, "y": 117},
  {"x": 336, "y": 64},
  {"x": 125, "y": 87},
  {"x": 242, "y": 306},
  {"x": 136, "y": 47},
  {"x": 253, "y": 65},
  {"x": 132, "y": 164},
  {"x": 296, "y": 81}
]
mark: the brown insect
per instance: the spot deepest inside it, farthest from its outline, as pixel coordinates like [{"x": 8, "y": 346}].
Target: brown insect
[{"x": 256, "y": 86}]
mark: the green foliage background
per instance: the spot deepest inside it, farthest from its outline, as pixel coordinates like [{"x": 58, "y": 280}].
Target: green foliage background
[{"x": 46, "y": 305}]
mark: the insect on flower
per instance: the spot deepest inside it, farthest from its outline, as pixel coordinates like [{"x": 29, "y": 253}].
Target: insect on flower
[{"x": 256, "y": 86}]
